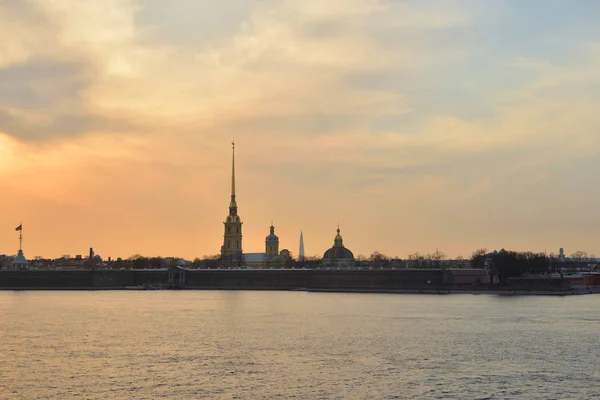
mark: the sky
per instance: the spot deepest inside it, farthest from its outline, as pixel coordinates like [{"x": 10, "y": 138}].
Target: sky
[{"x": 415, "y": 125}]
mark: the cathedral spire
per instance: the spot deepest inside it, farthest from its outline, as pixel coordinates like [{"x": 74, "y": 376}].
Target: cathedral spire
[
  {"x": 233, "y": 171},
  {"x": 233, "y": 203},
  {"x": 232, "y": 239}
]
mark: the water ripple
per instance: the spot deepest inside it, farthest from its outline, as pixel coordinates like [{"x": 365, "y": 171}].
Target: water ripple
[{"x": 286, "y": 345}]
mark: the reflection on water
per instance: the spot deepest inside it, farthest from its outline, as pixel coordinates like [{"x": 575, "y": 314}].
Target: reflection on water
[{"x": 267, "y": 345}]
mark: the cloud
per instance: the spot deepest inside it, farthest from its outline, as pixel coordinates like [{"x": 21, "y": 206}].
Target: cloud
[
  {"x": 406, "y": 115},
  {"x": 92, "y": 66}
]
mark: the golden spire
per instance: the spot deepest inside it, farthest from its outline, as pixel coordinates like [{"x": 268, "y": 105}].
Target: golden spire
[
  {"x": 232, "y": 203},
  {"x": 338, "y": 241},
  {"x": 233, "y": 172}
]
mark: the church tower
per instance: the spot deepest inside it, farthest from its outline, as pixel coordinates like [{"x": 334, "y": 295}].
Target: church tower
[
  {"x": 272, "y": 243},
  {"x": 232, "y": 239}
]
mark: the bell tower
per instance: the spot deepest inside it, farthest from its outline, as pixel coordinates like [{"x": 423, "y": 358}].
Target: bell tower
[
  {"x": 272, "y": 243},
  {"x": 232, "y": 238}
]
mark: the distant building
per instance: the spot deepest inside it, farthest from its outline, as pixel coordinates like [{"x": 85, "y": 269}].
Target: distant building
[
  {"x": 272, "y": 243},
  {"x": 338, "y": 255},
  {"x": 272, "y": 257},
  {"x": 232, "y": 238},
  {"x": 232, "y": 254},
  {"x": 301, "y": 248},
  {"x": 19, "y": 262},
  {"x": 4, "y": 261}
]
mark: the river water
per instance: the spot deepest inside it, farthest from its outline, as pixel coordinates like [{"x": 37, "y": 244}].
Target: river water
[{"x": 281, "y": 345}]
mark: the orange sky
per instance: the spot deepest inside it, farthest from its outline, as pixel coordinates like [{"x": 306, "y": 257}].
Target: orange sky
[{"x": 415, "y": 125}]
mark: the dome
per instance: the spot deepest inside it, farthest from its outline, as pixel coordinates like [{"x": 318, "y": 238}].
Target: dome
[
  {"x": 338, "y": 250},
  {"x": 272, "y": 236},
  {"x": 20, "y": 258}
]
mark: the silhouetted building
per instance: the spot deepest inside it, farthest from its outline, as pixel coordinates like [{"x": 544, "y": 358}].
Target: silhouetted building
[
  {"x": 232, "y": 239},
  {"x": 301, "y": 248},
  {"x": 338, "y": 255},
  {"x": 272, "y": 257}
]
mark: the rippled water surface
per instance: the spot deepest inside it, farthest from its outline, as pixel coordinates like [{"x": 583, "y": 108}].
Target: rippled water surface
[{"x": 270, "y": 345}]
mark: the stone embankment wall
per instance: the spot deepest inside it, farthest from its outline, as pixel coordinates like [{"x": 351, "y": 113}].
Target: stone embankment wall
[
  {"x": 227, "y": 279},
  {"x": 248, "y": 279},
  {"x": 318, "y": 279}
]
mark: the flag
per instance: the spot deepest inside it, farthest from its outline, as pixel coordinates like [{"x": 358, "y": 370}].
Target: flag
[{"x": 19, "y": 228}]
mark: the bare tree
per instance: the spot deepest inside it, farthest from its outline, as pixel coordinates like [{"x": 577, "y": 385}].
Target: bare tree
[
  {"x": 579, "y": 255},
  {"x": 378, "y": 259},
  {"x": 312, "y": 261},
  {"x": 416, "y": 257},
  {"x": 478, "y": 258},
  {"x": 438, "y": 255}
]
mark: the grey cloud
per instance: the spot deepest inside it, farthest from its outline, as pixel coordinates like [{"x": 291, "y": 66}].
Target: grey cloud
[
  {"x": 41, "y": 84},
  {"x": 42, "y": 94},
  {"x": 459, "y": 170},
  {"x": 310, "y": 124},
  {"x": 194, "y": 21},
  {"x": 57, "y": 125},
  {"x": 42, "y": 100}
]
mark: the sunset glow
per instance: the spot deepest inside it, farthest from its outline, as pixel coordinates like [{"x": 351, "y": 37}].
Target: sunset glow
[{"x": 414, "y": 124}]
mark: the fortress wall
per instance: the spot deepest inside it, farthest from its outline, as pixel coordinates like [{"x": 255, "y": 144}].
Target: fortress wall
[
  {"x": 46, "y": 279},
  {"x": 466, "y": 276},
  {"x": 149, "y": 277},
  {"x": 377, "y": 279},
  {"x": 524, "y": 283},
  {"x": 113, "y": 278},
  {"x": 247, "y": 279},
  {"x": 276, "y": 279}
]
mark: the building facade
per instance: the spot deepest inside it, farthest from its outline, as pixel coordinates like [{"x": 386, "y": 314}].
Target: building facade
[
  {"x": 272, "y": 243},
  {"x": 272, "y": 257}
]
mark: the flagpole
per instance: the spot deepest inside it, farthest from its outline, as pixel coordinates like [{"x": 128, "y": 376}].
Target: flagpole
[{"x": 21, "y": 236}]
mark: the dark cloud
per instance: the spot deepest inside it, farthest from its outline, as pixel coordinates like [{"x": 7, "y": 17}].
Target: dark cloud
[
  {"x": 56, "y": 125},
  {"x": 42, "y": 100},
  {"x": 42, "y": 84}
]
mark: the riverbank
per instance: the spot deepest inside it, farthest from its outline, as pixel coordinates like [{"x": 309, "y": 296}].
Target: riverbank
[
  {"x": 499, "y": 292},
  {"x": 407, "y": 281}
]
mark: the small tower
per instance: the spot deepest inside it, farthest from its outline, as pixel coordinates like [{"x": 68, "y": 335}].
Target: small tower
[
  {"x": 272, "y": 243},
  {"x": 232, "y": 238},
  {"x": 20, "y": 262},
  {"x": 301, "y": 249}
]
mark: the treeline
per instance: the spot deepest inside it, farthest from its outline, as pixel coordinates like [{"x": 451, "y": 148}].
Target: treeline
[
  {"x": 140, "y": 262},
  {"x": 505, "y": 264}
]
